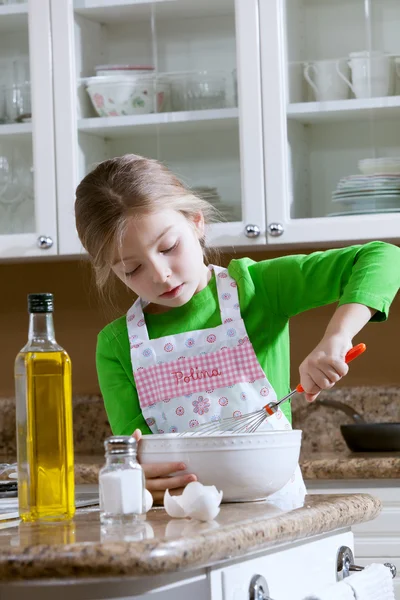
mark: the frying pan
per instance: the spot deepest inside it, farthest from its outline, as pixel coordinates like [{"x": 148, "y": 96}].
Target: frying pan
[{"x": 366, "y": 437}]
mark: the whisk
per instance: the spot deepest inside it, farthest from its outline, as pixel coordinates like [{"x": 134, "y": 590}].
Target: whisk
[{"x": 250, "y": 422}]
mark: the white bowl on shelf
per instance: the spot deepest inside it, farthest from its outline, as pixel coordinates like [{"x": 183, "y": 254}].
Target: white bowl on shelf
[
  {"x": 247, "y": 466},
  {"x": 376, "y": 166},
  {"x": 115, "y": 96}
]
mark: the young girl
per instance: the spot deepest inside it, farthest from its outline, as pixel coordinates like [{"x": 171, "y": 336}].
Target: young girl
[{"x": 202, "y": 342}]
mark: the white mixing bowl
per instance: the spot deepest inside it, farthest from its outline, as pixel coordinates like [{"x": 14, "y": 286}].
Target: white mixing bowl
[{"x": 247, "y": 466}]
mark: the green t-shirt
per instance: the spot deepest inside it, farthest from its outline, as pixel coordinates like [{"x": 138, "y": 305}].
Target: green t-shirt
[{"x": 270, "y": 292}]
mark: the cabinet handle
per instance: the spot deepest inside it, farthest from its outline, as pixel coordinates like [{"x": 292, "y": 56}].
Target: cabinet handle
[
  {"x": 252, "y": 231},
  {"x": 345, "y": 564},
  {"x": 275, "y": 229},
  {"x": 259, "y": 588},
  {"x": 44, "y": 242}
]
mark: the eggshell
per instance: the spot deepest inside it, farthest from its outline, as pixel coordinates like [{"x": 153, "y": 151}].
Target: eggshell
[
  {"x": 205, "y": 508},
  {"x": 173, "y": 506},
  {"x": 195, "y": 489},
  {"x": 191, "y": 492},
  {"x": 198, "y": 501}
]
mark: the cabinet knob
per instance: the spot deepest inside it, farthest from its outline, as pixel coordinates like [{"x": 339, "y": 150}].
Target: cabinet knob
[
  {"x": 44, "y": 242},
  {"x": 259, "y": 589},
  {"x": 275, "y": 229},
  {"x": 252, "y": 231}
]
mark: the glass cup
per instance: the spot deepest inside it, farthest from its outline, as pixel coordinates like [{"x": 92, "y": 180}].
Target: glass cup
[
  {"x": 206, "y": 91},
  {"x": 18, "y": 103}
]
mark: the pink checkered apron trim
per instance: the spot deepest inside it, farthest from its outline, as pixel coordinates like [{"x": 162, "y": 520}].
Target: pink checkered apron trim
[{"x": 225, "y": 367}]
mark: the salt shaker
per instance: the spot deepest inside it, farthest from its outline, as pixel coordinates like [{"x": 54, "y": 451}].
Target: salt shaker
[{"x": 121, "y": 482}]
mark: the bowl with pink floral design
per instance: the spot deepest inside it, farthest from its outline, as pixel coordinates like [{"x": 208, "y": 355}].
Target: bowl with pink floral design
[
  {"x": 245, "y": 466},
  {"x": 119, "y": 95}
]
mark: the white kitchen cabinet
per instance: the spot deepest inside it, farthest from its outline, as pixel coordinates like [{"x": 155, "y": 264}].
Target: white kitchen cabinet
[
  {"x": 28, "y": 224},
  {"x": 291, "y": 573},
  {"x": 377, "y": 540},
  {"x": 270, "y": 156},
  {"x": 314, "y": 139},
  {"x": 218, "y": 148}
]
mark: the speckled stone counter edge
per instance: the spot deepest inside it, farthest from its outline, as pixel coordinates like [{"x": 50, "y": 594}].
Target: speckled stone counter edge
[
  {"x": 152, "y": 557},
  {"x": 351, "y": 466}
]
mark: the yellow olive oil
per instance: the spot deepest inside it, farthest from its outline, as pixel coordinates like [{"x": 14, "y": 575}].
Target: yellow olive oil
[{"x": 44, "y": 426}]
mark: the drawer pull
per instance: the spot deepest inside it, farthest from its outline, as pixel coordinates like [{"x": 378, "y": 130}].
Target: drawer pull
[
  {"x": 259, "y": 588},
  {"x": 345, "y": 564}
]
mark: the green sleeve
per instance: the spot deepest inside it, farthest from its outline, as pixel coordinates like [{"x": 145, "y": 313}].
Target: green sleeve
[
  {"x": 119, "y": 392},
  {"x": 365, "y": 274}
]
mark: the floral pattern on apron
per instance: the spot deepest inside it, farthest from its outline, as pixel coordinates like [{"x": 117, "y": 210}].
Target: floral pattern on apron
[{"x": 191, "y": 378}]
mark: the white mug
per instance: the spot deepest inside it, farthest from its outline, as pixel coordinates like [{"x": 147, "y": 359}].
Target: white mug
[
  {"x": 370, "y": 74},
  {"x": 326, "y": 83}
]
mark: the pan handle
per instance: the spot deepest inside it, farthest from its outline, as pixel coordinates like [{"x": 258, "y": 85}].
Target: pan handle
[{"x": 357, "y": 418}]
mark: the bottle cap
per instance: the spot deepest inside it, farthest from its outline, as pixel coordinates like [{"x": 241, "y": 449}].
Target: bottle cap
[
  {"x": 40, "y": 303},
  {"x": 120, "y": 444}
]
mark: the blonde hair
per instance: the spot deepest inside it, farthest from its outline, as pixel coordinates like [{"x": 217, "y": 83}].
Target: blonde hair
[{"x": 119, "y": 189}]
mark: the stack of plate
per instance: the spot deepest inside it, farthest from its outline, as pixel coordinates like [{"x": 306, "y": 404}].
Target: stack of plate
[{"x": 363, "y": 194}]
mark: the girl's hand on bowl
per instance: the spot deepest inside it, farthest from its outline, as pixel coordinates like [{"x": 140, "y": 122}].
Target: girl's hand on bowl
[{"x": 158, "y": 476}]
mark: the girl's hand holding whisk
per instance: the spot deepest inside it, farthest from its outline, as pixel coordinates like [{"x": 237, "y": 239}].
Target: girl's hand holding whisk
[{"x": 325, "y": 365}]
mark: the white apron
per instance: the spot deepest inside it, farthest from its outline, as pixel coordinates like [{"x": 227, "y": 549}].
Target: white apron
[{"x": 190, "y": 378}]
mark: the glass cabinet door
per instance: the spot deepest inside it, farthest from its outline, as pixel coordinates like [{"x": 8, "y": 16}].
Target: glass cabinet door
[
  {"x": 174, "y": 80},
  {"x": 27, "y": 170},
  {"x": 336, "y": 114}
]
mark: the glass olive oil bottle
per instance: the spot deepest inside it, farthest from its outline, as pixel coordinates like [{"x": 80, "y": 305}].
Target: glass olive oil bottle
[{"x": 44, "y": 420}]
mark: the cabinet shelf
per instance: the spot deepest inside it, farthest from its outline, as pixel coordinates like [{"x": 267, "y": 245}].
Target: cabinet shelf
[
  {"x": 16, "y": 129},
  {"x": 344, "y": 110},
  {"x": 13, "y": 17},
  {"x": 174, "y": 122},
  {"x": 108, "y": 12}
]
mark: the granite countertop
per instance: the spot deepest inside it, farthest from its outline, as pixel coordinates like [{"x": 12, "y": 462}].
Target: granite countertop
[
  {"x": 314, "y": 465},
  {"x": 350, "y": 465},
  {"x": 159, "y": 545}
]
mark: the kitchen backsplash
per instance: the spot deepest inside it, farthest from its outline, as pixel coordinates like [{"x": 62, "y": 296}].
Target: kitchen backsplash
[
  {"x": 320, "y": 424},
  {"x": 90, "y": 425}
]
